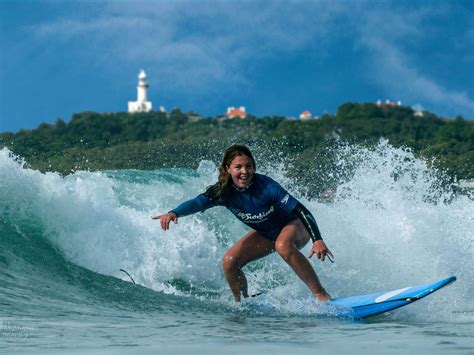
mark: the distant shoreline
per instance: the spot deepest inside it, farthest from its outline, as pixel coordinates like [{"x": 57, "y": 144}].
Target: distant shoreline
[{"x": 97, "y": 141}]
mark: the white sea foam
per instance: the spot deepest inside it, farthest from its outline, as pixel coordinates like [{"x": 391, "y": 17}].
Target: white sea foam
[{"x": 389, "y": 226}]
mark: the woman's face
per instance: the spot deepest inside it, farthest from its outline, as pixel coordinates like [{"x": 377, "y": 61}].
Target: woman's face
[{"x": 242, "y": 171}]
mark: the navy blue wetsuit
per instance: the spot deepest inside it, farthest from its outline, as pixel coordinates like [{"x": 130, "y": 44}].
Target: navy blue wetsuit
[{"x": 264, "y": 206}]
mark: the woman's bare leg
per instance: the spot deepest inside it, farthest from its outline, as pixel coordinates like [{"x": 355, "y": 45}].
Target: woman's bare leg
[
  {"x": 251, "y": 247},
  {"x": 293, "y": 237}
]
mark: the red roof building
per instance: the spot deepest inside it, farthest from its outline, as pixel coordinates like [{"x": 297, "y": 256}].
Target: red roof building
[
  {"x": 236, "y": 112},
  {"x": 305, "y": 115}
]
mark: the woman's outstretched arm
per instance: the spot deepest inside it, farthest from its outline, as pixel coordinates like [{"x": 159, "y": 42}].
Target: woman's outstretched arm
[{"x": 198, "y": 204}]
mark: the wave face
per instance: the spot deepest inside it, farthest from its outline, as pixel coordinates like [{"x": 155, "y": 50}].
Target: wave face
[{"x": 390, "y": 225}]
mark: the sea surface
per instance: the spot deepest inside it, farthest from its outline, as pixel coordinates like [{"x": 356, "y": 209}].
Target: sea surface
[{"x": 63, "y": 241}]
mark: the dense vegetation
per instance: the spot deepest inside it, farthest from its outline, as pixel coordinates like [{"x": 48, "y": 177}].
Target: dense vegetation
[{"x": 155, "y": 140}]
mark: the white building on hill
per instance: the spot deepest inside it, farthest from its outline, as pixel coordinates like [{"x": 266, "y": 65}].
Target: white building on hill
[
  {"x": 142, "y": 104},
  {"x": 388, "y": 103},
  {"x": 466, "y": 184}
]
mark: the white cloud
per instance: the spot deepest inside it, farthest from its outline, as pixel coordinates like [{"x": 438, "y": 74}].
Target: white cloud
[
  {"x": 97, "y": 26},
  {"x": 194, "y": 45}
]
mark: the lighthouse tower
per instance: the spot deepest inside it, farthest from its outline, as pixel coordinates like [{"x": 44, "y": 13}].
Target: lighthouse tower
[{"x": 142, "y": 104}]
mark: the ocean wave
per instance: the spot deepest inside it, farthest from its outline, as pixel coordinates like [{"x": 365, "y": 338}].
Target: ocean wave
[{"x": 391, "y": 224}]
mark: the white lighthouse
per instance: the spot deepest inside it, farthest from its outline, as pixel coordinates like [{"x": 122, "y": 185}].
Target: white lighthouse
[{"x": 142, "y": 104}]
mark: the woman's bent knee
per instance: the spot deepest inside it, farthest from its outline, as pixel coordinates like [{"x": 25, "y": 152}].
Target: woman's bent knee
[
  {"x": 284, "y": 248},
  {"x": 230, "y": 262}
]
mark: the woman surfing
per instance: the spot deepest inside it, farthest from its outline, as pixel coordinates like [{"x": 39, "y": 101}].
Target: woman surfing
[{"x": 279, "y": 222}]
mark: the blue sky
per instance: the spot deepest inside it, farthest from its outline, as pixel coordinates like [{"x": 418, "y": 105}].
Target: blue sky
[{"x": 274, "y": 57}]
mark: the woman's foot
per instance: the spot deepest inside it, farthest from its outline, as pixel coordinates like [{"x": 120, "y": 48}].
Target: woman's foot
[{"x": 322, "y": 296}]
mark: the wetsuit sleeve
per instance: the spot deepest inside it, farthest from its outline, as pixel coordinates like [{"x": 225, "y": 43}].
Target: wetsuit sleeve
[
  {"x": 198, "y": 204},
  {"x": 308, "y": 220}
]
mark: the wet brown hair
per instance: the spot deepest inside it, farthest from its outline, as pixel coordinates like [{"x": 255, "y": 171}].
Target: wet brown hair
[{"x": 220, "y": 190}]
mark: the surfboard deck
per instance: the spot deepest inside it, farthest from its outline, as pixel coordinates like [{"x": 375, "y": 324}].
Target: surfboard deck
[{"x": 363, "y": 306}]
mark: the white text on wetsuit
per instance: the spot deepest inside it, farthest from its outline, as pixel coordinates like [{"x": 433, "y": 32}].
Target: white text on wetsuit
[{"x": 250, "y": 218}]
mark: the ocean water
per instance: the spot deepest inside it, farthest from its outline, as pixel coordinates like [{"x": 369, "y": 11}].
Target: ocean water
[{"x": 63, "y": 241}]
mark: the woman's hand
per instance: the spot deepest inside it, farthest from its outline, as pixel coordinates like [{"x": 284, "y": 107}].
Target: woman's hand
[
  {"x": 166, "y": 218},
  {"x": 320, "y": 249}
]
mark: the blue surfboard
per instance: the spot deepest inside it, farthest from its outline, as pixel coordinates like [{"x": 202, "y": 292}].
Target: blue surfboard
[{"x": 364, "y": 306}]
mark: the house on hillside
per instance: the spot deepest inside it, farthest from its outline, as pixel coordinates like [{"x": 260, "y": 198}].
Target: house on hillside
[
  {"x": 388, "y": 103},
  {"x": 236, "y": 112},
  {"x": 306, "y": 115}
]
